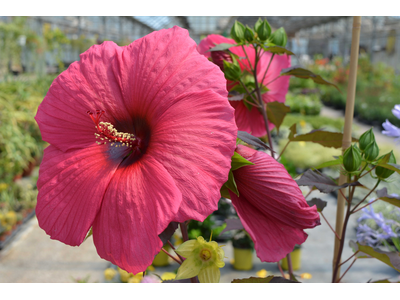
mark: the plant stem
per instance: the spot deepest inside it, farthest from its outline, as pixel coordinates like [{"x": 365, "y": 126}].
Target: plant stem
[
  {"x": 367, "y": 172},
  {"x": 376, "y": 185},
  {"x": 369, "y": 203},
  {"x": 289, "y": 262},
  {"x": 283, "y": 150},
  {"x": 251, "y": 67},
  {"x": 250, "y": 94},
  {"x": 173, "y": 248},
  {"x": 330, "y": 225},
  {"x": 347, "y": 270},
  {"x": 272, "y": 80},
  {"x": 280, "y": 269},
  {"x": 166, "y": 252},
  {"x": 262, "y": 107},
  {"x": 265, "y": 73},
  {"x": 343, "y": 235},
  {"x": 355, "y": 253}
]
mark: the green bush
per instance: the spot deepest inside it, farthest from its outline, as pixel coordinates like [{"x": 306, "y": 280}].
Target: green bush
[{"x": 305, "y": 104}]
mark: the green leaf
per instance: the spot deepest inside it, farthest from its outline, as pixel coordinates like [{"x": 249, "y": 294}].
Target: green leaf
[
  {"x": 392, "y": 259},
  {"x": 89, "y": 234},
  {"x": 221, "y": 47},
  {"x": 322, "y": 182},
  {"x": 330, "y": 163},
  {"x": 383, "y": 195},
  {"x": 324, "y": 138},
  {"x": 239, "y": 161},
  {"x": 318, "y": 202},
  {"x": 276, "y": 112},
  {"x": 252, "y": 140},
  {"x": 293, "y": 131},
  {"x": 225, "y": 192},
  {"x": 296, "y": 71},
  {"x": 278, "y": 50},
  {"x": 390, "y": 166},
  {"x": 231, "y": 184},
  {"x": 269, "y": 279}
]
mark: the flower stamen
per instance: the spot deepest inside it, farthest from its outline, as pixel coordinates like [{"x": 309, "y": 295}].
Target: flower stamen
[{"x": 107, "y": 133}]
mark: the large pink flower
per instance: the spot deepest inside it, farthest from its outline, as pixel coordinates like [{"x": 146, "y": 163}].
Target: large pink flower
[
  {"x": 252, "y": 120},
  {"x": 271, "y": 206},
  {"x": 140, "y": 136}
]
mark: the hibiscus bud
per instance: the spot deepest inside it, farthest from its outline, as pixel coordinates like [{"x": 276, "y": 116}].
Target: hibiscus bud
[
  {"x": 237, "y": 32},
  {"x": 263, "y": 30},
  {"x": 232, "y": 71},
  {"x": 352, "y": 159},
  {"x": 384, "y": 173},
  {"x": 249, "y": 34},
  {"x": 371, "y": 151},
  {"x": 279, "y": 37},
  {"x": 218, "y": 57},
  {"x": 365, "y": 139}
]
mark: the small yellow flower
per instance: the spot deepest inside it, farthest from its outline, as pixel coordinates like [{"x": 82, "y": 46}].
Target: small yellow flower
[
  {"x": 305, "y": 276},
  {"x": 302, "y": 144},
  {"x": 3, "y": 186},
  {"x": 262, "y": 273},
  {"x": 303, "y": 123},
  {"x": 168, "y": 276},
  {"x": 202, "y": 258},
  {"x": 136, "y": 278},
  {"x": 151, "y": 268},
  {"x": 124, "y": 275},
  {"x": 109, "y": 273},
  {"x": 11, "y": 218}
]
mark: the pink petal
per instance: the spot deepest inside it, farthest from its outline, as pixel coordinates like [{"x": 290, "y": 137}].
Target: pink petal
[
  {"x": 139, "y": 203},
  {"x": 71, "y": 187},
  {"x": 278, "y": 88},
  {"x": 162, "y": 66},
  {"x": 210, "y": 42},
  {"x": 196, "y": 149},
  {"x": 270, "y": 198},
  {"x": 250, "y": 121},
  {"x": 88, "y": 84}
]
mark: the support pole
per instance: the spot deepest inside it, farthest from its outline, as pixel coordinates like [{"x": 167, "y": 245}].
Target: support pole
[{"x": 348, "y": 122}]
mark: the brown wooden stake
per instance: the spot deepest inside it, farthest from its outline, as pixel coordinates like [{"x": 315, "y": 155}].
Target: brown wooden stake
[{"x": 348, "y": 122}]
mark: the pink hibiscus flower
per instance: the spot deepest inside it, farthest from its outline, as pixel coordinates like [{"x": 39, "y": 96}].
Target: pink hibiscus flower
[
  {"x": 271, "y": 206},
  {"x": 252, "y": 120},
  {"x": 140, "y": 136}
]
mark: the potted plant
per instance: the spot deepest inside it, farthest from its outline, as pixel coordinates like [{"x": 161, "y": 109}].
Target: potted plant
[
  {"x": 243, "y": 248},
  {"x": 295, "y": 256}
]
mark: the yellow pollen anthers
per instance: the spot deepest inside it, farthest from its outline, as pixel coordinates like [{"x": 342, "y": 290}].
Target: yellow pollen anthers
[{"x": 107, "y": 133}]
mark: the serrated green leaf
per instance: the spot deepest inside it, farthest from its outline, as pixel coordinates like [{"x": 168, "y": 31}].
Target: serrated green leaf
[
  {"x": 324, "y": 138},
  {"x": 317, "y": 202},
  {"x": 392, "y": 259},
  {"x": 330, "y": 163},
  {"x": 297, "y": 71},
  {"x": 293, "y": 131},
  {"x": 276, "y": 112},
  {"x": 278, "y": 50},
  {"x": 221, "y": 47},
  {"x": 231, "y": 184},
  {"x": 239, "y": 161},
  {"x": 384, "y": 196}
]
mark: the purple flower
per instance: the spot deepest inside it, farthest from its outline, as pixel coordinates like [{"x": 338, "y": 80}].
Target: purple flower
[
  {"x": 391, "y": 130},
  {"x": 150, "y": 279},
  {"x": 396, "y": 111}
]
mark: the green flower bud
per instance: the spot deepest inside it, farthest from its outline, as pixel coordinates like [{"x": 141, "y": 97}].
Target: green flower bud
[
  {"x": 371, "y": 151},
  {"x": 279, "y": 37},
  {"x": 237, "y": 32},
  {"x": 384, "y": 173},
  {"x": 258, "y": 24},
  {"x": 263, "y": 31},
  {"x": 249, "y": 34},
  {"x": 232, "y": 71},
  {"x": 352, "y": 159},
  {"x": 365, "y": 139}
]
